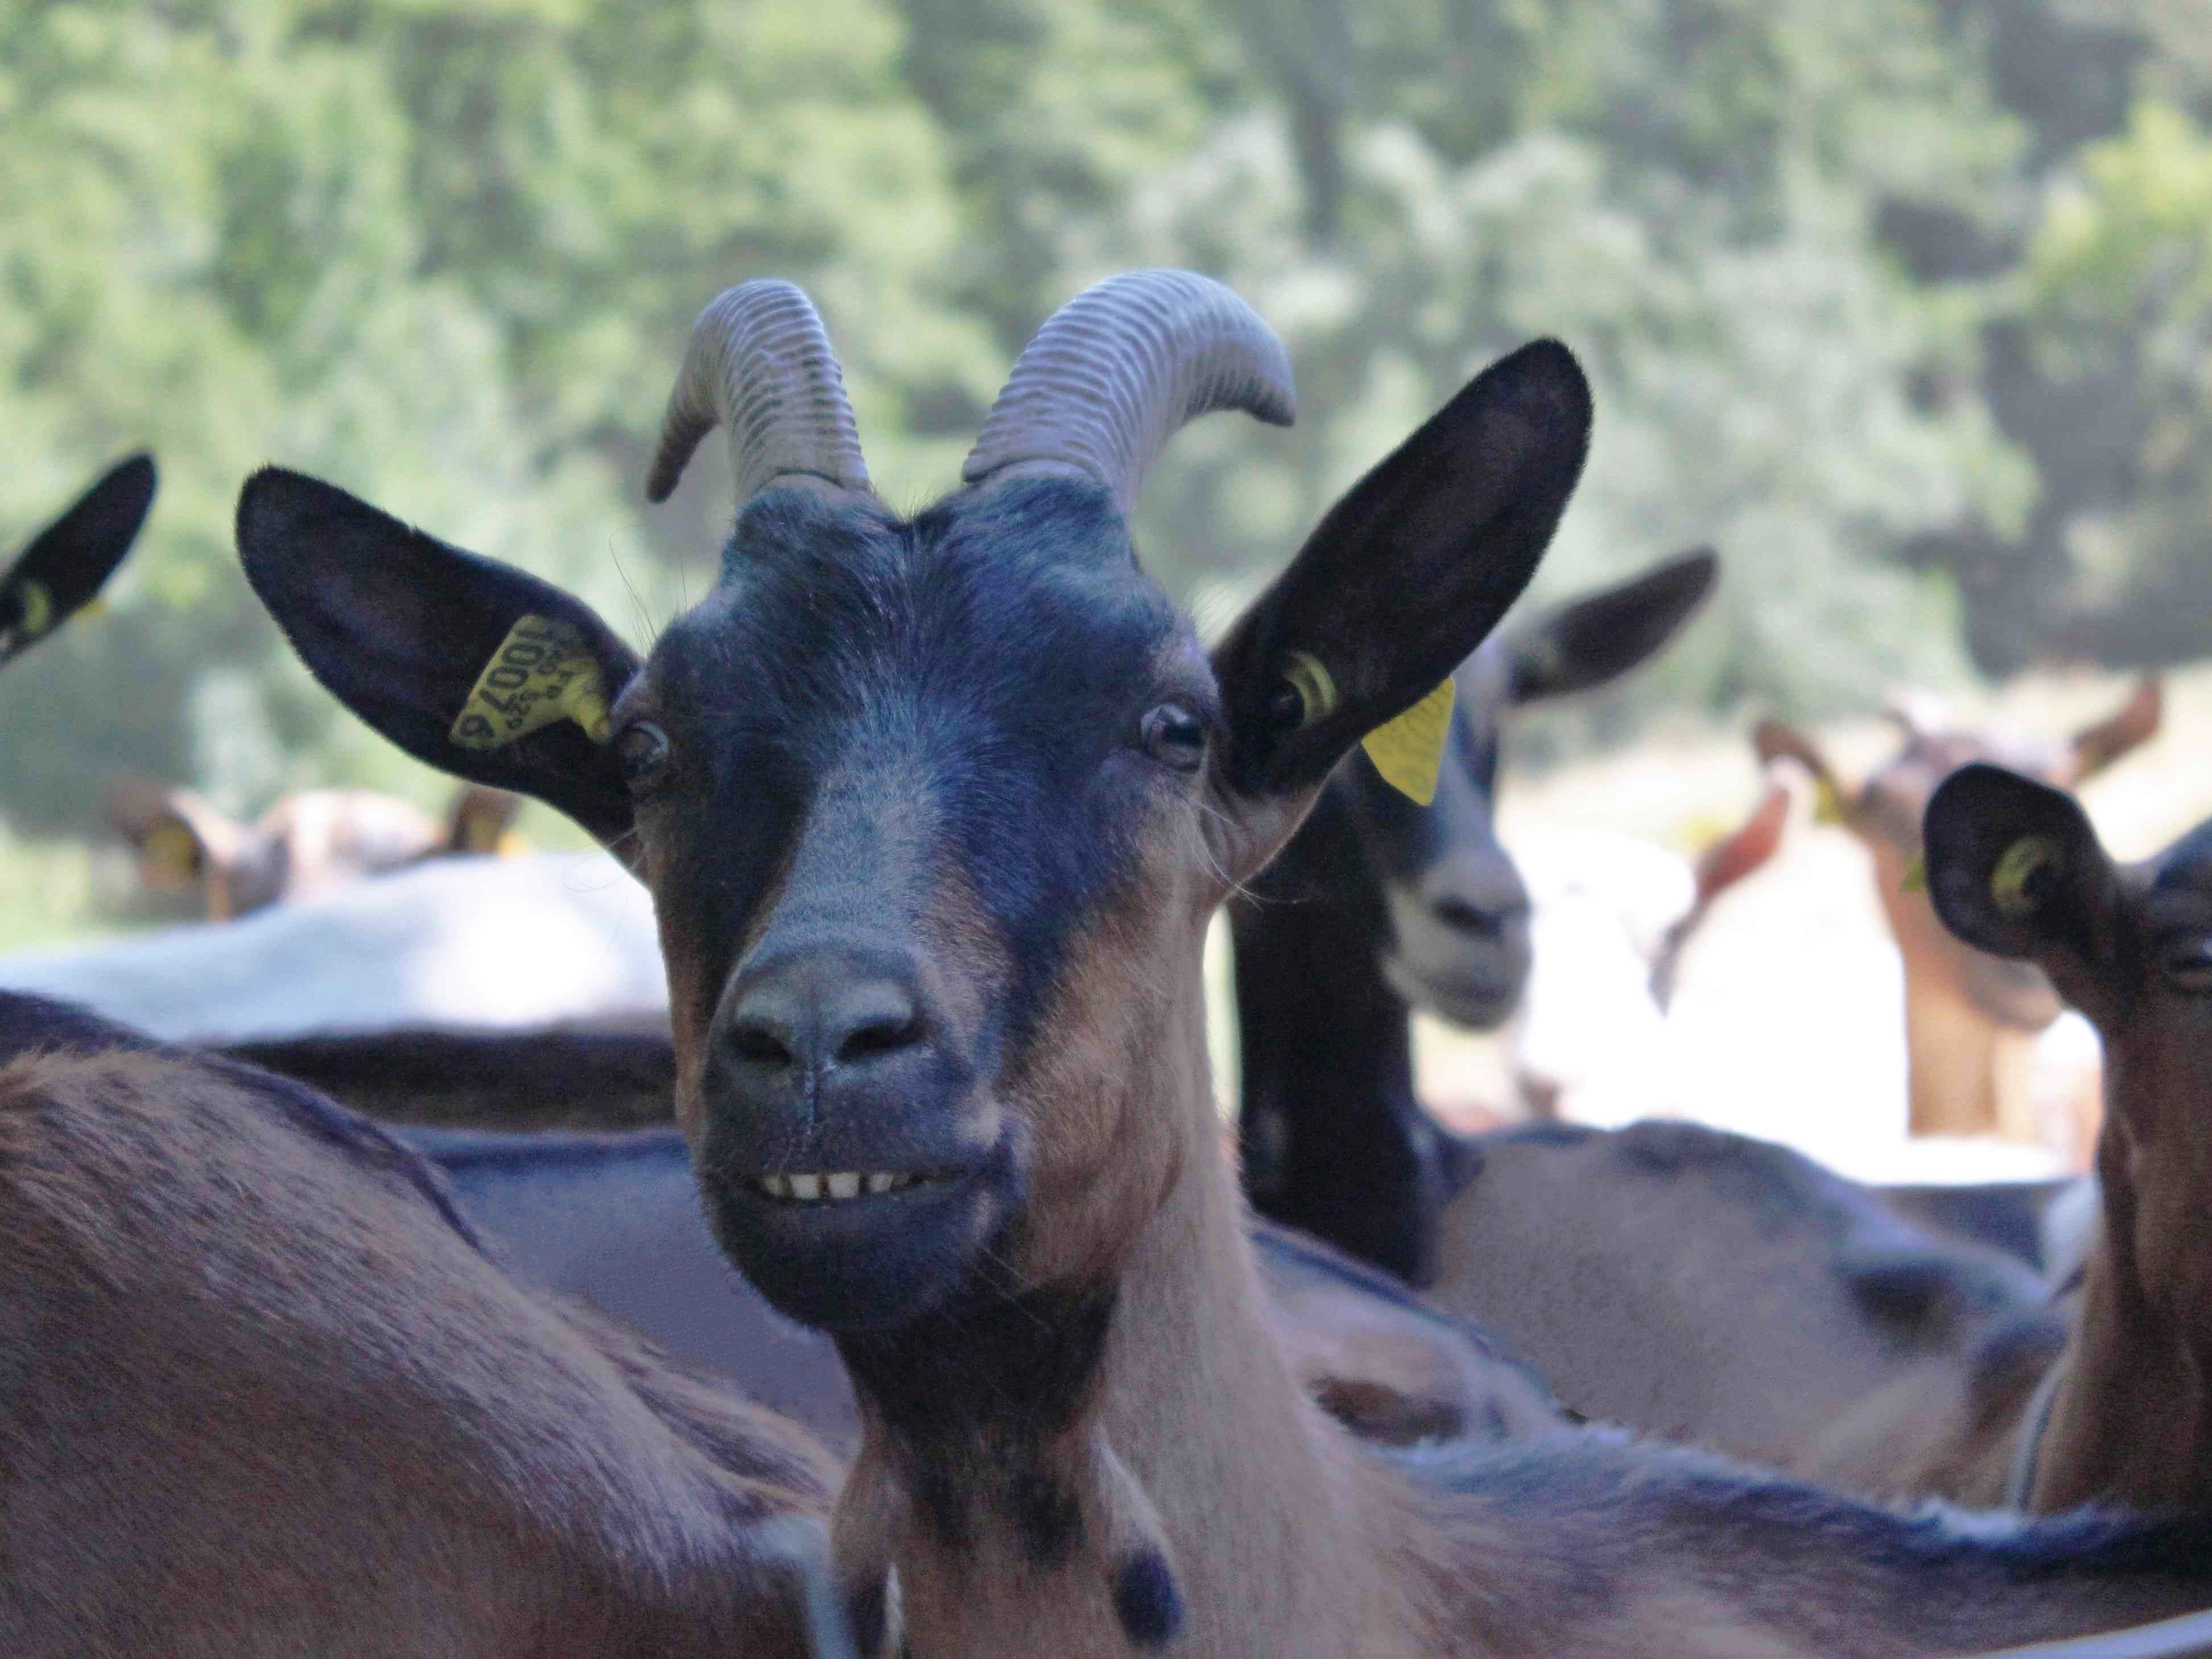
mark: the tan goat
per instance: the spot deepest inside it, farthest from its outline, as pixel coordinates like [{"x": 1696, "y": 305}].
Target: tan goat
[{"x": 2015, "y": 869}]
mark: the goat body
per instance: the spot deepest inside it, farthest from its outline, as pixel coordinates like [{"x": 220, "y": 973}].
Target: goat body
[
  {"x": 263, "y": 1395},
  {"x": 471, "y": 942}
]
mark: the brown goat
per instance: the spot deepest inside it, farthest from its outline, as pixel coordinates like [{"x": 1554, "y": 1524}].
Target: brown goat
[
  {"x": 935, "y": 811},
  {"x": 265, "y": 1395},
  {"x": 305, "y": 844},
  {"x": 2015, "y": 869},
  {"x": 1971, "y": 1018}
]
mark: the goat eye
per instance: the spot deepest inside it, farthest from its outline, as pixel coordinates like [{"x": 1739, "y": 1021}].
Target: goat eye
[
  {"x": 2188, "y": 964},
  {"x": 1175, "y": 736},
  {"x": 641, "y": 751}
]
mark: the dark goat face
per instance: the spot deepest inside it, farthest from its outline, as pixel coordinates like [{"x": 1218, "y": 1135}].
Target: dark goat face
[
  {"x": 935, "y": 810},
  {"x": 926, "y": 866},
  {"x": 2015, "y": 870},
  {"x": 1457, "y": 938}
]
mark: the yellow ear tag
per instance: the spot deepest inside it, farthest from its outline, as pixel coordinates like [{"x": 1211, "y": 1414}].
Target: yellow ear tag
[
  {"x": 1408, "y": 750},
  {"x": 1827, "y": 801},
  {"x": 37, "y": 610},
  {"x": 170, "y": 855},
  {"x": 1309, "y": 678},
  {"x": 542, "y": 673},
  {"x": 2017, "y": 866},
  {"x": 1915, "y": 878}
]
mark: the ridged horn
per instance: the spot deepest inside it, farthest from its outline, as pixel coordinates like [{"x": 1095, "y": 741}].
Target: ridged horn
[
  {"x": 759, "y": 363},
  {"x": 1117, "y": 369}
]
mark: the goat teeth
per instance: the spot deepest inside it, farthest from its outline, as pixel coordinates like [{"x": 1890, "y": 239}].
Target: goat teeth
[
  {"x": 882, "y": 1183},
  {"x": 776, "y": 1186},
  {"x": 806, "y": 1187},
  {"x": 843, "y": 1185}
]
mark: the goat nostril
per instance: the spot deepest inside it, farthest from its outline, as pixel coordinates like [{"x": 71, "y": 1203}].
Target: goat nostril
[
  {"x": 761, "y": 1046},
  {"x": 879, "y": 1036},
  {"x": 1458, "y": 914}
]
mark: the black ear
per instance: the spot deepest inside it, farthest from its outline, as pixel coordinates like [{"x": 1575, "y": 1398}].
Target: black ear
[
  {"x": 408, "y": 632},
  {"x": 1603, "y": 634},
  {"x": 2014, "y": 868},
  {"x": 1407, "y": 574},
  {"x": 72, "y": 557}
]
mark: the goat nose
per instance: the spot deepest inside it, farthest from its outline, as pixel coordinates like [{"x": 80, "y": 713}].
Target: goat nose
[
  {"x": 812, "y": 1011},
  {"x": 1470, "y": 899}
]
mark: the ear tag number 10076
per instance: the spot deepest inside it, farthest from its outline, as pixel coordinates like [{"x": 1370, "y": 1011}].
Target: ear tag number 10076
[{"x": 543, "y": 672}]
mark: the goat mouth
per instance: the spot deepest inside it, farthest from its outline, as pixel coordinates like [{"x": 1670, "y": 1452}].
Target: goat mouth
[
  {"x": 859, "y": 1248},
  {"x": 846, "y": 1186},
  {"x": 1478, "y": 1001}
]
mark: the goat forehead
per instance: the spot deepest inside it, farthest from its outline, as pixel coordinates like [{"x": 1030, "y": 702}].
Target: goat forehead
[{"x": 1021, "y": 619}]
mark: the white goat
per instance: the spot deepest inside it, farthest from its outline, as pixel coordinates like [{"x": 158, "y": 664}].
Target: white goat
[{"x": 455, "y": 942}]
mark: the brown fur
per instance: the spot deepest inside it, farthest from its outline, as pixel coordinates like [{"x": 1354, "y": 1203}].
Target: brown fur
[
  {"x": 1288, "y": 1542},
  {"x": 260, "y": 1398},
  {"x": 2132, "y": 1418},
  {"x": 1720, "y": 1291},
  {"x": 1944, "y": 1431},
  {"x": 1283, "y": 1537}
]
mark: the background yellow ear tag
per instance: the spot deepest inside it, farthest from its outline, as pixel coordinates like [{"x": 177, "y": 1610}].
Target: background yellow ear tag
[
  {"x": 543, "y": 672},
  {"x": 2014, "y": 887},
  {"x": 1827, "y": 802},
  {"x": 37, "y": 610},
  {"x": 170, "y": 855},
  {"x": 1409, "y": 751}
]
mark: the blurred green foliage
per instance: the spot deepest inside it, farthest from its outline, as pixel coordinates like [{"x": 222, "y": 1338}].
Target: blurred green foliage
[{"x": 1902, "y": 304}]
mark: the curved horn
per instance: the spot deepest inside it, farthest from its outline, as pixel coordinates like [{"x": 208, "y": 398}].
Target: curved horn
[
  {"x": 759, "y": 363},
  {"x": 1114, "y": 371}
]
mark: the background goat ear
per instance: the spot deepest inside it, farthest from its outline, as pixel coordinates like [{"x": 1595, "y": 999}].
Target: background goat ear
[
  {"x": 2128, "y": 727},
  {"x": 1603, "y": 634},
  {"x": 481, "y": 820},
  {"x": 2014, "y": 868},
  {"x": 402, "y": 628},
  {"x": 1407, "y": 574},
  {"x": 68, "y": 561},
  {"x": 179, "y": 838},
  {"x": 1772, "y": 740}
]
